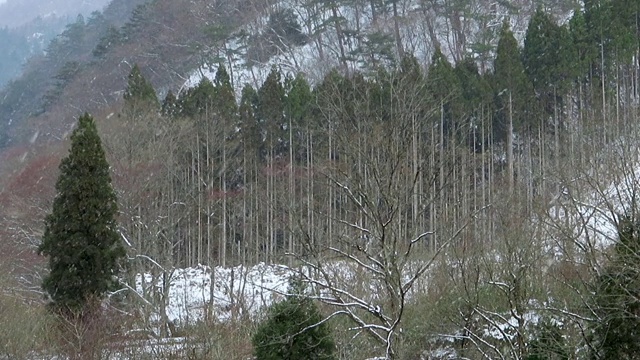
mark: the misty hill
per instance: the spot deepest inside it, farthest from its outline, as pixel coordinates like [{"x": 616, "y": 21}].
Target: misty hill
[
  {"x": 85, "y": 66},
  {"x": 14, "y": 13}
]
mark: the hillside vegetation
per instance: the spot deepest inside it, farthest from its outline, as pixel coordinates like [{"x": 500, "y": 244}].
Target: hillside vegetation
[{"x": 449, "y": 180}]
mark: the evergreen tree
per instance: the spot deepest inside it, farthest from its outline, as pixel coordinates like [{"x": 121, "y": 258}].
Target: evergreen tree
[
  {"x": 270, "y": 111},
  {"x": 197, "y": 100},
  {"x": 476, "y": 101},
  {"x": 514, "y": 93},
  {"x": 297, "y": 110},
  {"x": 583, "y": 53},
  {"x": 292, "y": 331},
  {"x": 444, "y": 88},
  {"x": 626, "y": 27},
  {"x": 284, "y": 29},
  {"x": 224, "y": 97},
  {"x": 80, "y": 235},
  {"x": 548, "y": 344},
  {"x": 376, "y": 49},
  {"x": 139, "y": 94},
  {"x": 380, "y": 95},
  {"x": 112, "y": 38},
  {"x": 249, "y": 126},
  {"x": 298, "y": 98},
  {"x": 613, "y": 29},
  {"x": 170, "y": 105},
  {"x": 546, "y": 59},
  {"x": 617, "y": 298}
]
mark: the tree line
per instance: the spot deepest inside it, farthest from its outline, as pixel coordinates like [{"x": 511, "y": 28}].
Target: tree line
[{"x": 387, "y": 170}]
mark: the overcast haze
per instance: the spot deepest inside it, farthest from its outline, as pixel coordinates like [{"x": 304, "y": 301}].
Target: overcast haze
[{"x": 17, "y": 12}]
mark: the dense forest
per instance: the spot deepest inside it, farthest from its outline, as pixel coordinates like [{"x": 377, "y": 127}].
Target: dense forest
[{"x": 483, "y": 203}]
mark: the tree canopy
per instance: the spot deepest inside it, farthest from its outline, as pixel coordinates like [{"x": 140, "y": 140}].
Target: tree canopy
[{"x": 80, "y": 235}]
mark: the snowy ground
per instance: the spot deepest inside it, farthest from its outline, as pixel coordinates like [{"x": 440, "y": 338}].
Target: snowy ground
[{"x": 236, "y": 290}]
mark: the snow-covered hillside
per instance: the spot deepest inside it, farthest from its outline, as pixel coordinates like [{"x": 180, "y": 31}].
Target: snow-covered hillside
[{"x": 471, "y": 32}]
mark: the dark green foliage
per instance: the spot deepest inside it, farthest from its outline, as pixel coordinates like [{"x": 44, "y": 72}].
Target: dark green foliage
[
  {"x": 549, "y": 343},
  {"x": 328, "y": 92},
  {"x": 410, "y": 69},
  {"x": 583, "y": 53},
  {"x": 197, "y": 100},
  {"x": 617, "y": 298},
  {"x": 64, "y": 76},
  {"x": 249, "y": 127},
  {"x": 284, "y": 28},
  {"x": 612, "y": 26},
  {"x": 224, "y": 104},
  {"x": 626, "y": 25},
  {"x": 442, "y": 82},
  {"x": 298, "y": 98},
  {"x": 546, "y": 58},
  {"x": 139, "y": 93},
  {"x": 475, "y": 103},
  {"x": 376, "y": 49},
  {"x": 112, "y": 38},
  {"x": 282, "y": 31},
  {"x": 80, "y": 237},
  {"x": 380, "y": 95},
  {"x": 170, "y": 105},
  {"x": 444, "y": 88},
  {"x": 514, "y": 93},
  {"x": 412, "y": 91},
  {"x": 292, "y": 331},
  {"x": 139, "y": 17},
  {"x": 298, "y": 102},
  {"x": 270, "y": 111},
  {"x": 475, "y": 89}
]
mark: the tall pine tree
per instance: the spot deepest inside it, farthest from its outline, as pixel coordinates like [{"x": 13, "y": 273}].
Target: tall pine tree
[
  {"x": 139, "y": 94},
  {"x": 546, "y": 59},
  {"x": 270, "y": 112},
  {"x": 514, "y": 93},
  {"x": 80, "y": 235}
]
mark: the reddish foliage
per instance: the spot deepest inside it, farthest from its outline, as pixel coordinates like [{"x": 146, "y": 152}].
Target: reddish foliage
[
  {"x": 36, "y": 179},
  {"x": 218, "y": 194},
  {"x": 24, "y": 201}
]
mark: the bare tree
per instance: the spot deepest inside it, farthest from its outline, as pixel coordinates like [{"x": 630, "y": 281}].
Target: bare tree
[{"x": 380, "y": 248}]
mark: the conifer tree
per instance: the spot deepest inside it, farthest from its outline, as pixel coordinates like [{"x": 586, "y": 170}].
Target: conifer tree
[
  {"x": 298, "y": 99},
  {"x": 249, "y": 126},
  {"x": 271, "y": 111},
  {"x": 583, "y": 53},
  {"x": 293, "y": 331},
  {"x": 475, "y": 101},
  {"x": 139, "y": 94},
  {"x": 80, "y": 235},
  {"x": 297, "y": 109},
  {"x": 617, "y": 298},
  {"x": 170, "y": 105},
  {"x": 546, "y": 59},
  {"x": 112, "y": 38},
  {"x": 224, "y": 96},
  {"x": 198, "y": 100},
  {"x": 549, "y": 343},
  {"x": 444, "y": 88},
  {"x": 514, "y": 93}
]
